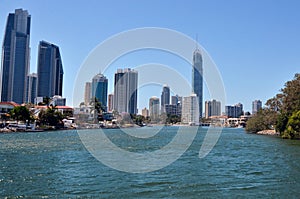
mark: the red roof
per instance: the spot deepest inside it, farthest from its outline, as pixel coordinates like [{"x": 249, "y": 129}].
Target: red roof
[
  {"x": 58, "y": 107},
  {"x": 10, "y": 103}
]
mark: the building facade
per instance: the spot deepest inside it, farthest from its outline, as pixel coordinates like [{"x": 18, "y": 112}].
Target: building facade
[
  {"x": 57, "y": 100},
  {"x": 31, "y": 88},
  {"x": 154, "y": 108},
  {"x": 15, "y": 57},
  {"x": 125, "y": 91},
  {"x": 110, "y": 102},
  {"x": 234, "y": 111},
  {"x": 99, "y": 89},
  {"x": 172, "y": 109},
  {"x": 50, "y": 70},
  {"x": 190, "y": 110},
  {"x": 165, "y": 98},
  {"x": 212, "y": 108},
  {"x": 256, "y": 106},
  {"x": 87, "y": 93},
  {"x": 197, "y": 78},
  {"x": 145, "y": 112}
]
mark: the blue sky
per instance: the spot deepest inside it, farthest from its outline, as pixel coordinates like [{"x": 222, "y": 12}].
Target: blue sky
[{"x": 255, "y": 44}]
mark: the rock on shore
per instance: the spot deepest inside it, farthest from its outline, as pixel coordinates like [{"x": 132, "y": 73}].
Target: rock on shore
[{"x": 267, "y": 132}]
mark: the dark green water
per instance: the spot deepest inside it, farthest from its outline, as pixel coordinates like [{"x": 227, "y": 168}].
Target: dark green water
[{"x": 56, "y": 164}]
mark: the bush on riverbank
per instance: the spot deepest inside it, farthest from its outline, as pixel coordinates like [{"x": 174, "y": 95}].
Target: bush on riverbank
[
  {"x": 285, "y": 107},
  {"x": 263, "y": 120}
]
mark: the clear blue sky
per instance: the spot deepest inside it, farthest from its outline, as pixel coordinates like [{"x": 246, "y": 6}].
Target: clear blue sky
[{"x": 254, "y": 43}]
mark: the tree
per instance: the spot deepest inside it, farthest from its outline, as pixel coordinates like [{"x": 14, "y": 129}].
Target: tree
[
  {"x": 97, "y": 108},
  {"x": 51, "y": 116},
  {"x": 264, "y": 119},
  {"x": 293, "y": 126},
  {"x": 285, "y": 106},
  {"x": 20, "y": 113}
]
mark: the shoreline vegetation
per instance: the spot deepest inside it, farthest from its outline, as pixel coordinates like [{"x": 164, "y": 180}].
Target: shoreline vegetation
[{"x": 281, "y": 115}]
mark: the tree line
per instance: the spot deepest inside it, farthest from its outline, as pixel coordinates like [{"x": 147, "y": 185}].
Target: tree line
[{"x": 282, "y": 112}]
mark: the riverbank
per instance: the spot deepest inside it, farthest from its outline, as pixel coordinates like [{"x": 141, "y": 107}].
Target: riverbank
[{"x": 268, "y": 132}]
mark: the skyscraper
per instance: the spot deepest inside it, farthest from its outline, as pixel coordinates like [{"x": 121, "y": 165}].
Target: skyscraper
[
  {"x": 15, "y": 57},
  {"x": 165, "y": 98},
  {"x": 31, "y": 88},
  {"x": 212, "y": 108},
  {"x": 145, "y": 112},
  {"x": 87, "y": 93},
  {"x": 154, "y": 108},
  {"x": 99, "y": 89},
  {"x": 111, "y": 102},
  {"x": 234, "y": 111},
  {"x": 256, "y": 106},
  {"x": 50, "y": 70},
  {"x": 125, "y": 91},
  {"x": 190, "y": 110},
  {"x": 198, "y": 78}
]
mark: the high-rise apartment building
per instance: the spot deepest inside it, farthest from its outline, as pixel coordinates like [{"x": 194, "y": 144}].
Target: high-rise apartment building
[
  {"x": 145, "y": 112},
  {"x": 256, "y": 106},
  {"x": 165, "y": 98},
  {"x": 125, "y": 91},
  {"x": 190, "y": 110},
  {"x": 31, "y": 88},
  {"x": 212, "y": 108},
  {"x": 234, "y": 111},
  {"x": 154, "y": 108},
  {"x": 197, "y": 78},
  {"x": 50, "y": 70},
  {"x": 15, "y": 57},
  {"x": 99, "y": 89},
  {"x": 87, "y": 93},
  {"x": 110, "y": 102}
]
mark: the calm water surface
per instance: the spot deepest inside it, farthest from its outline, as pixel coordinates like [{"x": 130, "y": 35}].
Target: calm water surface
[{"x": 56, "y": 164}]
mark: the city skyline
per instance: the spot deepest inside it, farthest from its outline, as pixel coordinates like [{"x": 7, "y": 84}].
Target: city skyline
[{"x": 253, "y": 45}]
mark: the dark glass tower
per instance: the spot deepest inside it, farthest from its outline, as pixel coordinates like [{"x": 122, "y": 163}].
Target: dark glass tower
[
  {"x": 165, "y": 98},
  {"x": 50, "y": 70},
  {"x": 198, "y": 78},
  {"x": 31, "y": 86},
  {"x": 15, "y": 57},
  {"x": 99, "y": 89}
]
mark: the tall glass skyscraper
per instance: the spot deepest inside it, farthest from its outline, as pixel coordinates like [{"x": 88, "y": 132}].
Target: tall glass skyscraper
[
  {"x": 15, "y": 57},
  {"x": 125, "y": 91},
  {"x": 31, "y": 88},
  {"x": 198, "y": 78},
  {"x": 165, "y": 98},
  {"x": 50, "y": 70},
  {"x": 99, "y": 89}
]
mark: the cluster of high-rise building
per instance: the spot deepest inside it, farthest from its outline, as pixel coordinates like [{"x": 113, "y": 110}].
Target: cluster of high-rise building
[
  {"x": 124, "y": 98},
  {"x": 17, "y": 84},
  {"x": 164, "y": 105}
]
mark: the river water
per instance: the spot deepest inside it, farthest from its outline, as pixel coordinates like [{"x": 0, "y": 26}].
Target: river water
[{"x": 241, "y": 165}]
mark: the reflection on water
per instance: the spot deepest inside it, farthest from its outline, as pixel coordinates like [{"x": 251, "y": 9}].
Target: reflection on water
[{"x": 52, "y": 164}]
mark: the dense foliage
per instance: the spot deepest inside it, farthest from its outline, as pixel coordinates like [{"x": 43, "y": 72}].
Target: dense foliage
[
  {"x": 20, "y": 113},
  {"x": 285, "y": 106},
  {"x": 51, "y": 117},
  {"x": 263, "y": 120}
]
